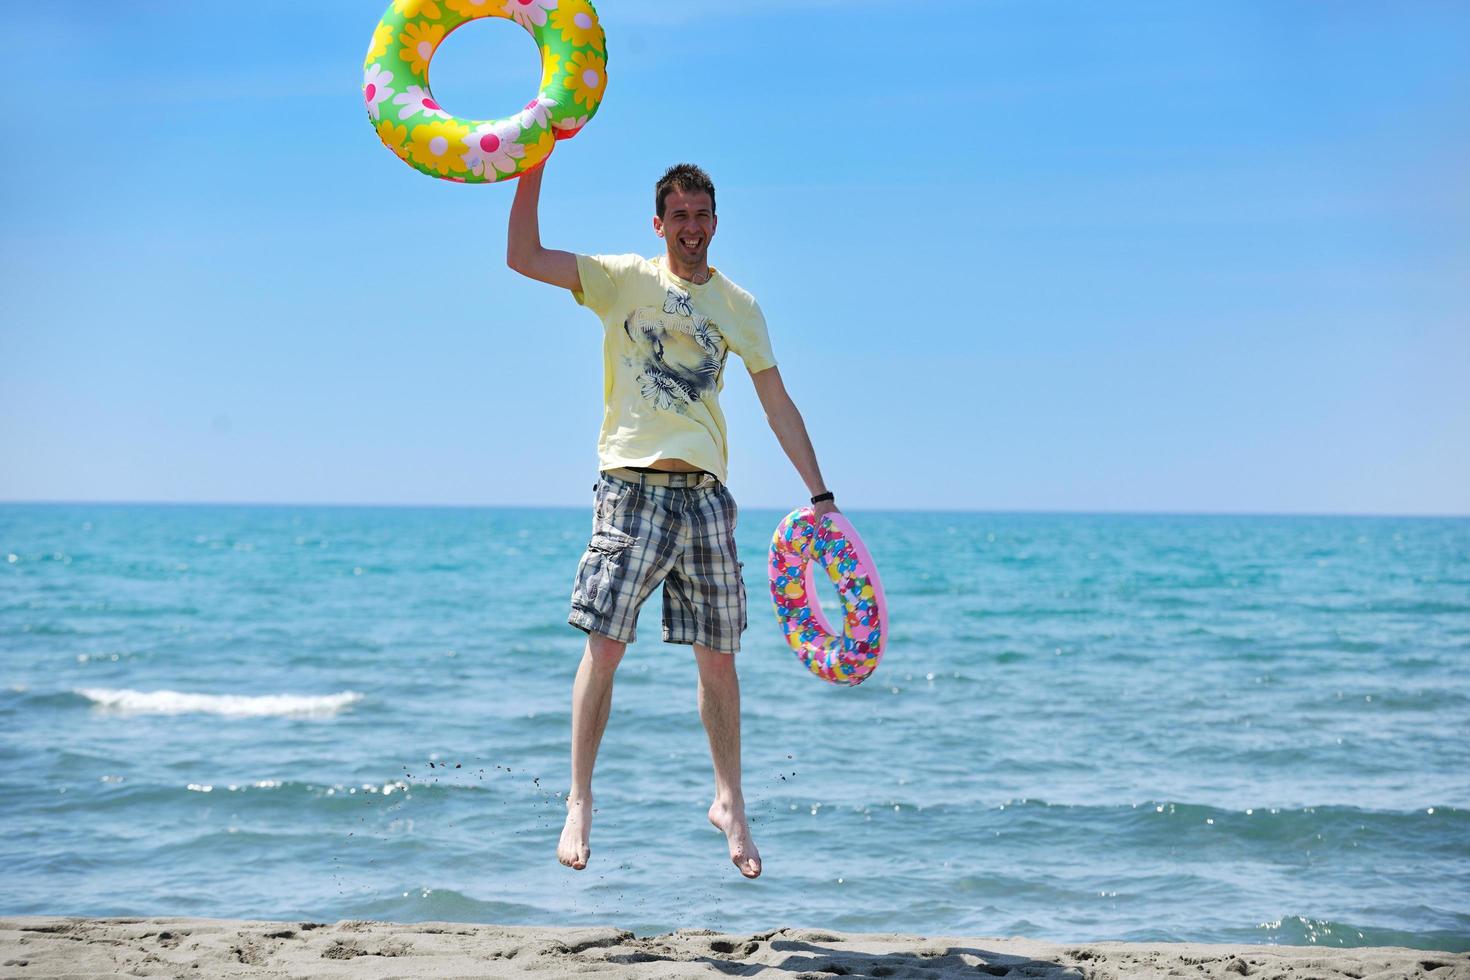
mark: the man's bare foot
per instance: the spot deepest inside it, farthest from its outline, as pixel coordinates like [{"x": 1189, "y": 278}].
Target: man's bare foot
[
  {"x": 573, "y": 849},
  {"x": 730, "y": 818}
]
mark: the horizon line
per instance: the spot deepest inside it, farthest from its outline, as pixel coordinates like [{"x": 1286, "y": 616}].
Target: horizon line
[{"x": 878, "y": 510}]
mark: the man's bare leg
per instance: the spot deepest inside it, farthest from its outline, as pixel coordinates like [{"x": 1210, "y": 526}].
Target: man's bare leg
[
  {"x": 591, "y": 702},
  {"x": 719, "y": 707}
]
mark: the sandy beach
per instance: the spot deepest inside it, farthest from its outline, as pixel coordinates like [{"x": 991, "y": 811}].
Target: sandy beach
[{"x": 62, "y": 946}]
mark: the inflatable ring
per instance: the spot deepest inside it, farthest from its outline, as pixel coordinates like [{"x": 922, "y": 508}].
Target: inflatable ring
[
  {"x": 395, "y": 87},
  {"x": 799, "y": 545}
]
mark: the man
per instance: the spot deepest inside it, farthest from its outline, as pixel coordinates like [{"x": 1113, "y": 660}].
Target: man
[{"x": 662, "y": 511}]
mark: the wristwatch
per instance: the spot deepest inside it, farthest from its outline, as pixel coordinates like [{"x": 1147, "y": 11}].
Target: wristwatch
[{"x": 822, "y": 496}]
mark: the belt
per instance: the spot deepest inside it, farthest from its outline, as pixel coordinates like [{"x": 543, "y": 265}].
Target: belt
[{"x": 697, "y": 480}]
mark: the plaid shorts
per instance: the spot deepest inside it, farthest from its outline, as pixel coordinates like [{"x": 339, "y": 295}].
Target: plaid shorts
[{"x": 682, "y": 535}]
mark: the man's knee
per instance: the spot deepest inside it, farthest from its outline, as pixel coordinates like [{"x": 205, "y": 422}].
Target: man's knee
[
  {"x": 713, "y": 663},
  {"x": 605, "y": 652}
]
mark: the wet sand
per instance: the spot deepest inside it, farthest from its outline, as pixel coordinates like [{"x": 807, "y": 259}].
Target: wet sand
[{"x": 63, "y": 946}]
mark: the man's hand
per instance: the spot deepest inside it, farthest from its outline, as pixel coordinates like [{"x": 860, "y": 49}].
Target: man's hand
[
  {"x": 523, "y": 251},
  {"x": 824, "y": 508}
]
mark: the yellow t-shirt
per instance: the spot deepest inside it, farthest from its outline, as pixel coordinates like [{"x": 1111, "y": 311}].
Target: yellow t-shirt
[{"x": 665, "y": 341}]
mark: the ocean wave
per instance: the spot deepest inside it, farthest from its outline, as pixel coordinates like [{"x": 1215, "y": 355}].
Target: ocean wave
[
  {"x": 421, "y": 904},
  {"x": 1300, "y": 930},
  {"x": 226, "y": 705},
  {"x": 1161, "y": 825}
]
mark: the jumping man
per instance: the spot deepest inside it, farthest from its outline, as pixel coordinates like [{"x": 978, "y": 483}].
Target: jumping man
[{"x": 662, "y": 512}]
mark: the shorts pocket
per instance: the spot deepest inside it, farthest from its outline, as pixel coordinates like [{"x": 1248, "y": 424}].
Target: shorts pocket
[
  {"x": 601, "y": 569},
  {"x": 606, "y": 503},
  {"x": 609, "y": 540},
  {"x": 744, "y": 603}
]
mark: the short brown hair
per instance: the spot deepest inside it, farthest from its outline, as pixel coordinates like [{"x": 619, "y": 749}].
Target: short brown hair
[{"x": 685, "y": 177}]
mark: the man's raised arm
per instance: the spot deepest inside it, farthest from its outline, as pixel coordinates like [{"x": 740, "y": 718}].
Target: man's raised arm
[{"x": 523, "y": 251}]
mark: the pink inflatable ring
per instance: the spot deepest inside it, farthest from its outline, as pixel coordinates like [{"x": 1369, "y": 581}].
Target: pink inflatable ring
[{"x": 799, "y": 545}]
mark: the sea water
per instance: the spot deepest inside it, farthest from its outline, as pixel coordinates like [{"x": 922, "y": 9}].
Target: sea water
[{"x": 1244, "y": 729}]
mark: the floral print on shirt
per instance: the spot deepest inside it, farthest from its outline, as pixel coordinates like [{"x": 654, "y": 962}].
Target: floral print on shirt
[{"x": 681, "y": 352}]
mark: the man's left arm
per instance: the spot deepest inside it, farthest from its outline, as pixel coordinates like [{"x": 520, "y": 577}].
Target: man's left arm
[{"x": 790, "y": 431}]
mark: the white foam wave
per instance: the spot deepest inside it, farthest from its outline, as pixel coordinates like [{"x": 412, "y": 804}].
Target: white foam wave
[{"x": 226, "y": 705}]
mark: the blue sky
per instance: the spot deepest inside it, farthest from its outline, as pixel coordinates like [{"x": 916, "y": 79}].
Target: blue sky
[{"x": 1014, "y": 255}]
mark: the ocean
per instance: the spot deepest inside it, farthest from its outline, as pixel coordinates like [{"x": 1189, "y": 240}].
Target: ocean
[{"x": 1084, "y": 727}]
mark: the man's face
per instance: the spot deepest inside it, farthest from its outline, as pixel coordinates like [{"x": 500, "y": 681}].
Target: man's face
[{"x": 687, "y": 226}]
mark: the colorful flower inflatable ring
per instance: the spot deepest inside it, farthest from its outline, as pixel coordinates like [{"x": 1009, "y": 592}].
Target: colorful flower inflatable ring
[
  {"x": 799, "y": 545},
  {"x": 395, "y": 86}
]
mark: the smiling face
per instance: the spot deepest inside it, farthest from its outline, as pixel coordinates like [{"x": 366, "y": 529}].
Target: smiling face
[{"x": 687, "y": 225}]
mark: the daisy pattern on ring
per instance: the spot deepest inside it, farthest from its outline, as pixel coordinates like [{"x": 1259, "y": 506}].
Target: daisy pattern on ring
[
  {"x": 375, "y": 88},
  {"x": 472, "y": 8},
  {"x": 417, "y": 100},
  {"x": 382, "y": 37},
  {"x": 417, "y": 8},
  {"x": 539, "y": 150},
  {"x": 394, "y": 137},
  {"x": 419, "y": 42},
  {"x": 529, "y": 13},
  {"x": 550, "y": 65},
  {"x": 536, "y": 113},
  {"x": 433, "y": 143},
  {"x": 577, "y": 22},
  {"x": 586, "y": 77},
  {"x": 493, "y": 148}
]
